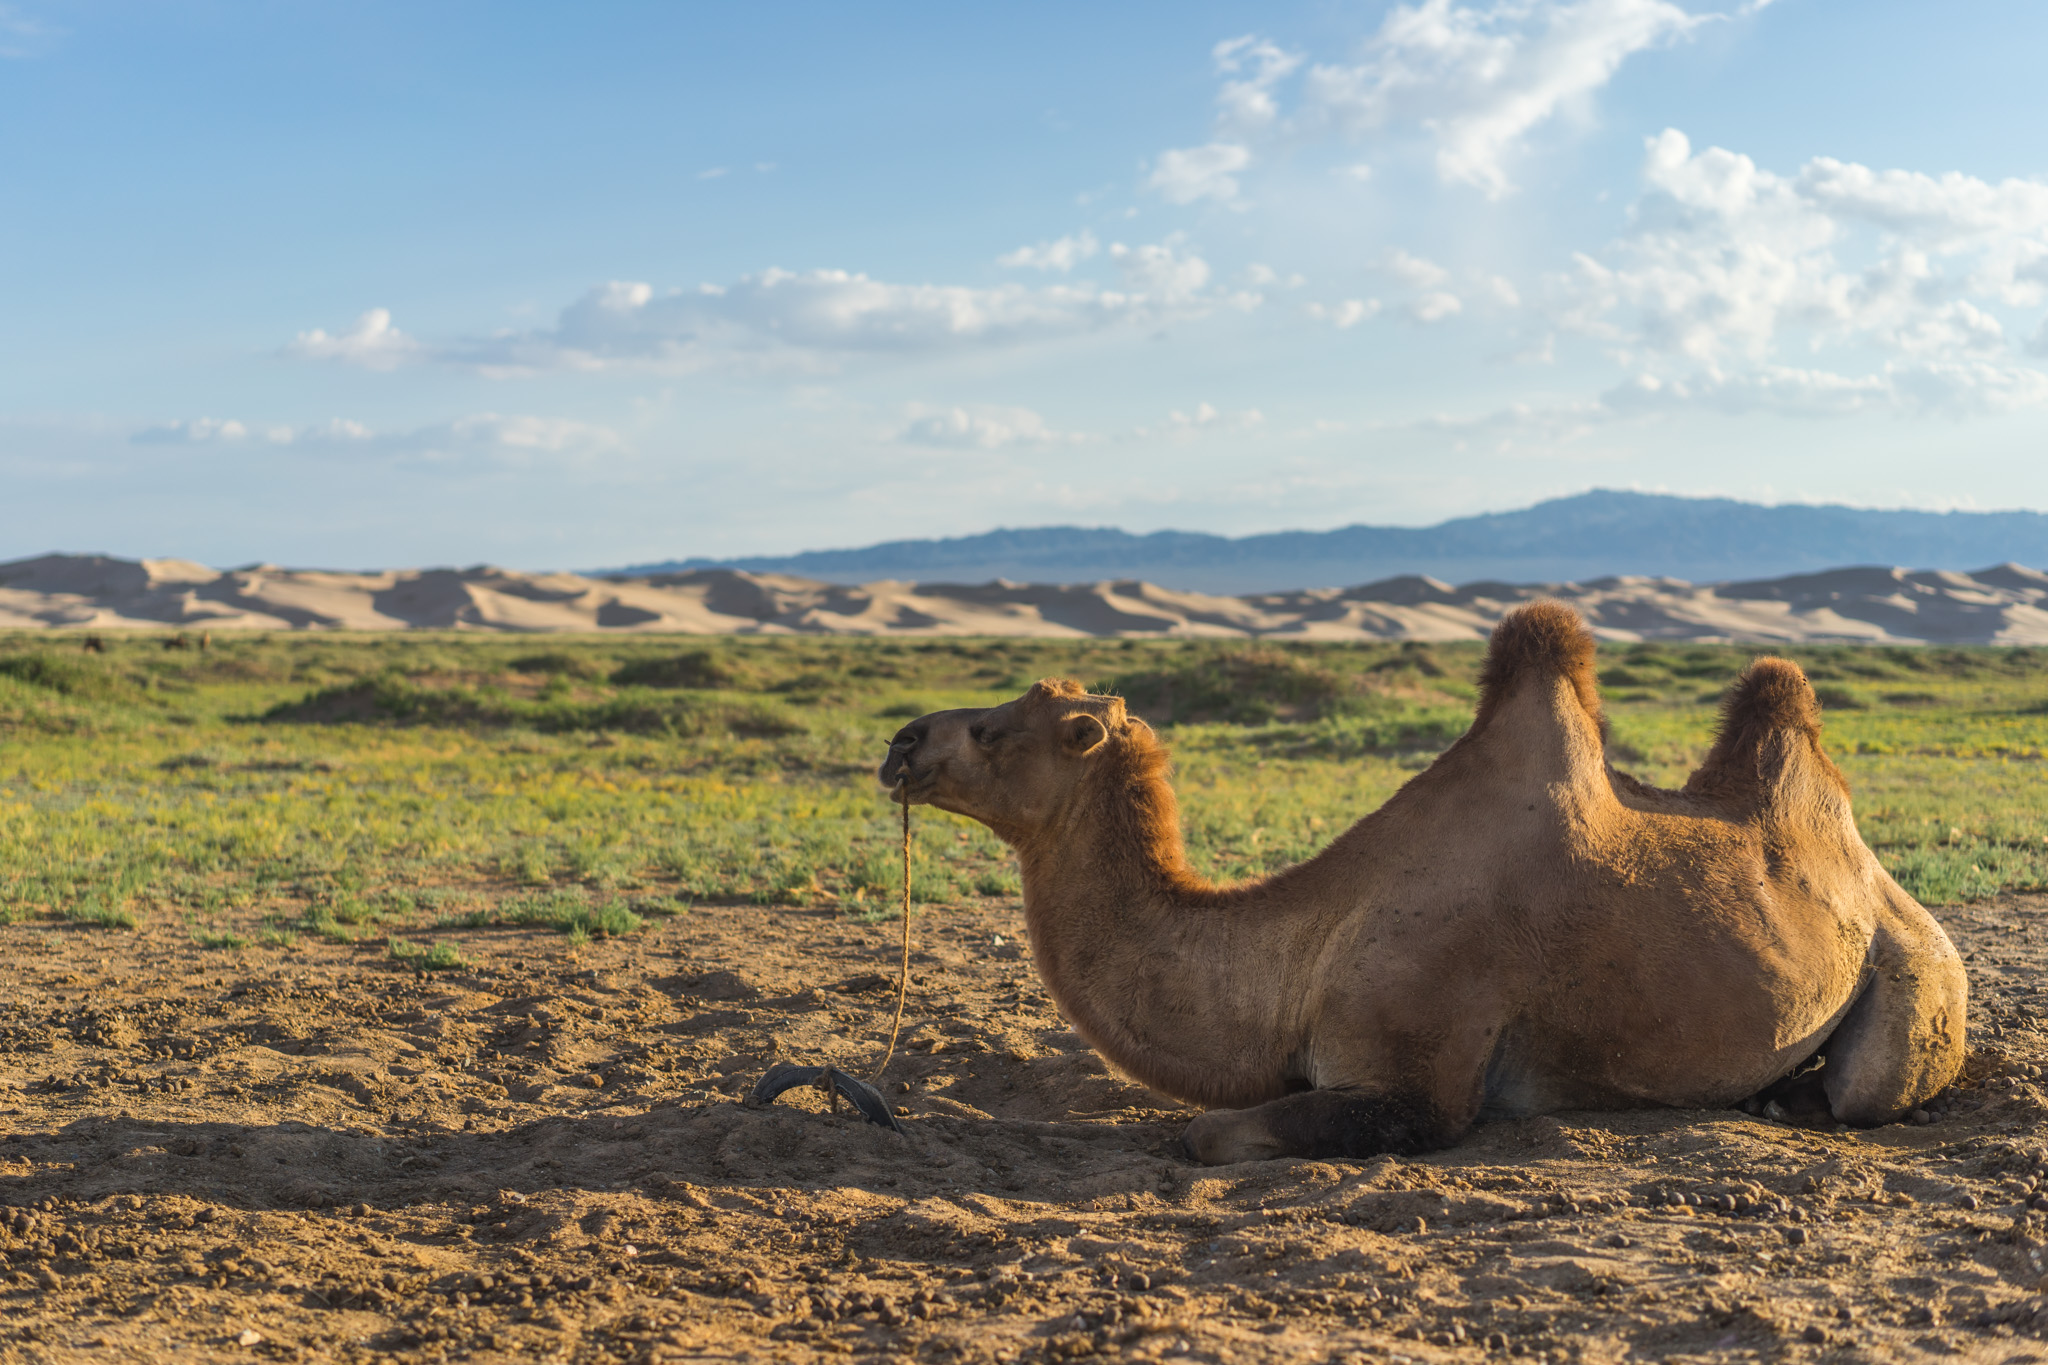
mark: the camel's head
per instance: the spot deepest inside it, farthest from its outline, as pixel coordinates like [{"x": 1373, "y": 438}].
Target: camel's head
[{"x": 1014, "y": 767}]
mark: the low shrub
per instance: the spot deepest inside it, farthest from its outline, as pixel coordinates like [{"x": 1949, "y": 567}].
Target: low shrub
[
  {"x": 704, "y": 669},
  {"x": 1241, "y": 687}
]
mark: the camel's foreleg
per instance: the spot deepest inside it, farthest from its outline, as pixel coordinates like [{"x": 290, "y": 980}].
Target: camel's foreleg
[{"x": 1313, "y": 1123}]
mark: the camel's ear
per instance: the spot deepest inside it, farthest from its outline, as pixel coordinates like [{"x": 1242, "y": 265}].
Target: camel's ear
[{"x": 1083, "y": 734}]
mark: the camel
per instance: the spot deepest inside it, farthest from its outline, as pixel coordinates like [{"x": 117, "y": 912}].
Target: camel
[{"x": 1519, "y": 930}]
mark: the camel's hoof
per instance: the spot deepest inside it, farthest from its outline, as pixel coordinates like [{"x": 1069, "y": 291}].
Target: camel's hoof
[
  {"x": 1224, "y": 1136},
  {"x": 864, "y": 1097}
]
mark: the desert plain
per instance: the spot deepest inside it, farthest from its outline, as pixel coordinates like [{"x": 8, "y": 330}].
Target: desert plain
[{"x": 396, "y": 997}]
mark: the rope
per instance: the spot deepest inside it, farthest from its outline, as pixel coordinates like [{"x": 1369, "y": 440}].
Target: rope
[{"x": 903, "y": 972}]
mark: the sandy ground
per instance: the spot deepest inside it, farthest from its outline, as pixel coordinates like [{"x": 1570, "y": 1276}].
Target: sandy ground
[
  {"x": 315, "y": 1154},
  {"x": 2005, "y": 605}
]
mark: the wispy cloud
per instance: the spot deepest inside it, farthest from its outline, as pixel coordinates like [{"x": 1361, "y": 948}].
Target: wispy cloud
[
  {"x": 1062, "y": 254},
  {"x": 1346, "y": 313},
  {"x": 1473, "y": 80},
  {"x": 503, "y": 438},
  {"x": 1186, "y": 174},
  {"x": 1479, "y": 79},
  {"x": 370, "y": 341},
  {"x": 811, "y": 320},
  {"x": 981, "y": 428},
  {"x": 22, "y": 36}
]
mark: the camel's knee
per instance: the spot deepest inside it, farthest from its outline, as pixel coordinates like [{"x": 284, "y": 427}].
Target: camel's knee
[{"x": 1899, "y": 1045}]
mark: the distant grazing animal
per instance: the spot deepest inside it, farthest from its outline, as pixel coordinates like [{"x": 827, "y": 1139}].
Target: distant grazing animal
[
  {"x": 178, "y": 641},
  {"x": 93, "y": 644},
  {"x": 1520, "y": 929}
]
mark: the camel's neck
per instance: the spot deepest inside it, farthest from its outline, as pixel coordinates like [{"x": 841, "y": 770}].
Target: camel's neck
[{"x": 1186, "y": 988}]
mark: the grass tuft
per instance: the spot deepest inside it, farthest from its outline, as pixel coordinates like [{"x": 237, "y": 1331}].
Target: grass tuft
[
  {"x": 441, "y": 956},
  {"x": 568, "y": 910}
]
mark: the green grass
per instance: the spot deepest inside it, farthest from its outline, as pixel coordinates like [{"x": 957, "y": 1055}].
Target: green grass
[
  {"x": 569, "y": 911},
  {"x": 439, "y": 957},
  {"x": 353, "y": 787}
]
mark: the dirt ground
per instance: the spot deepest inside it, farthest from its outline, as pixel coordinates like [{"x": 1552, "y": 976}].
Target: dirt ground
[{"x": 313, "y": 1153}]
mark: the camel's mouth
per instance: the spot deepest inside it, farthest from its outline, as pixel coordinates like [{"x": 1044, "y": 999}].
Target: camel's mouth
[{"x": 898, "y": 775}]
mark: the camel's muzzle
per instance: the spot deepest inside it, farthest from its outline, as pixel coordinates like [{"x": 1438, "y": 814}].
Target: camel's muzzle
[{"x": 896, "y": 767}]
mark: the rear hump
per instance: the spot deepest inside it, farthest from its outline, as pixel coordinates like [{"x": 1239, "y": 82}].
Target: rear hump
[{"x": 1770, "y": 727}]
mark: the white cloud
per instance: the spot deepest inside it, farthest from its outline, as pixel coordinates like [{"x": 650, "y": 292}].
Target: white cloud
[
  {"x": 1186, "y": 174},
  {"x": 23, "y": 37},
  {"x": 1061, "y": 255},
  {"x": 983, "y": 428},
  {"x": 1245, "y": 104},
  {"x": 1967, "y": 387},
  {"x": 192, "y": 431},
  {"x": 487, "y": 434},
  {"x": 1941, "y": 389},
  {"x": 1904, "y": 274},
  {"x": 1259, "y": 276},
  {"x": 538, "y": 435},
  {"x": 1775, "y": 389},
  {"x": 1349, "y": 313},
  {"x": 1432, "y": 302},
  {"x": 1503, "y": 290},
  {"x": 1474, "y": 80},
  {"x": 371, "y": 341},
  {"x": 1479, "y": 79},
  {"x": 1161, "y": 271},
  {"x": 713, "y": 173},
  {"x": 808, "y": 320},
  {"x": 1435, "y": 306},
  {"x": 1207, "y": 417},
  {"x": 1418, "y": 271}
]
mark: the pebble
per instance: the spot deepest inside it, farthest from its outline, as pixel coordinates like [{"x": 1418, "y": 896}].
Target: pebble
[{"x": 249, "y": 1337}]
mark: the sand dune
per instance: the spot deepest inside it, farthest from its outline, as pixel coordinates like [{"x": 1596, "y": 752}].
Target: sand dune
[{"x": 2007, "y": 604}]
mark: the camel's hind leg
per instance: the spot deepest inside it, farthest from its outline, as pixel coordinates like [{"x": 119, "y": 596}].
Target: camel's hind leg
[
  {"x": 1902, "y": 1041},
  {"x": 1322, "y": 1123}
]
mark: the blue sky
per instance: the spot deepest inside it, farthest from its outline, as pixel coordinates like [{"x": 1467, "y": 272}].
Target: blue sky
[{"x": 560, "y": 286}]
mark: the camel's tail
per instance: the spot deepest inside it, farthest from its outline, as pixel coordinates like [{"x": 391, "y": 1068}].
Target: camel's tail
[
  {"x": 1769, "y": 744},
  {"x": 1543, "y": 640}
]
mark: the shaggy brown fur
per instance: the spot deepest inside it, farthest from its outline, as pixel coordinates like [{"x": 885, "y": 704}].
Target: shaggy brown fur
[
  {"x": 1541, "y": 638},
  {"x": 1519, "y": 929}
]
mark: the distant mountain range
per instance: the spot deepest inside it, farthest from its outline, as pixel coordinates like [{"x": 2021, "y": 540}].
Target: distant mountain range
[{"x": 1592, "y": 535}]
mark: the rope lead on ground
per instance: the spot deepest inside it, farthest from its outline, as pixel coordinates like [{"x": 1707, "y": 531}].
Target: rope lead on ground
[{"x": 864, "y": 1095}]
